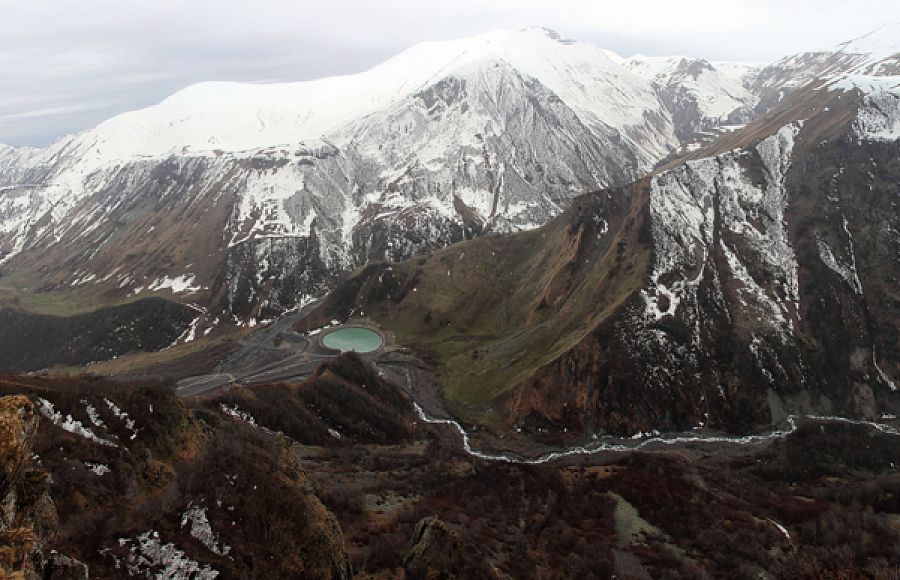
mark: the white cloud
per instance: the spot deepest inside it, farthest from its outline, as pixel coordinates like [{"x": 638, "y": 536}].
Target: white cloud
[{"x": 81, "y": 62}]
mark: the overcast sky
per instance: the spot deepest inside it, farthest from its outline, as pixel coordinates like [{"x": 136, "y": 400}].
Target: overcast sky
[{"x": 66, "y": 65}]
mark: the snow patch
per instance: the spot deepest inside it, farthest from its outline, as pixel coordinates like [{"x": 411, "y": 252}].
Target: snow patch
[
  {"x": 92, "y": 413},
  {"x": 887, "y": 381},
  {"x": 180, "y": 284},
  {"x": 846, "y": 271},
  {"x": 149, "y": 557},
  {"x": 68, "y": 423},
  {"x": 97, "y": 468},
  {"x": 201, "y": 530},
  {"x": 236, "y": 413},
  {"x": 122, "y": 416}
]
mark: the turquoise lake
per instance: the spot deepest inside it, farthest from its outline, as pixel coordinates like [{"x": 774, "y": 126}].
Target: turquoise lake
[{"x": 353, "y": 338}]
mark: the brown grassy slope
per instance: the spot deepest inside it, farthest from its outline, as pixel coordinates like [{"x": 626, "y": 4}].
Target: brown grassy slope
[
  {"x": 826, "y": 112},
  {"x": 492, "y": 310},
  {"x": 155, "y": 233},
  {"x": 343, "y": 403}
]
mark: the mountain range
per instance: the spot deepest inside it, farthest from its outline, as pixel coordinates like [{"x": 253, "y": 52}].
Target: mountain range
[{"x": 250, "y": 199}]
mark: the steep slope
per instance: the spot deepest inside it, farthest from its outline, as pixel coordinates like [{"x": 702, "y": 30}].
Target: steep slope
[
  {"x": 249, "y": 200},
  {"x": 205, "y": 489},
  {"x": 29, "y": 518},
  {"x": 492, "y": 309},
  {"x": 726, "y": 291}
]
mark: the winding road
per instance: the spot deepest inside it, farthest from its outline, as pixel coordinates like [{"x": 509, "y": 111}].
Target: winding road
[{"x": 273, "y": 353}]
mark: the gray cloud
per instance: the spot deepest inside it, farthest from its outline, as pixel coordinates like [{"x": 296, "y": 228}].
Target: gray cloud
[{"x": 65, "y": 66}]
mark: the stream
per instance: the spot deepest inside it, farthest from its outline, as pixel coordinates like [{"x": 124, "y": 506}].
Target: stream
[{"x": 634, "y": 444}]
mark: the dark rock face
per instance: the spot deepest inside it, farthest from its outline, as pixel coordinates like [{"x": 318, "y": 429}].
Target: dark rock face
[
  {"x": 774, "y": 291},
  {"x": 265, "y": 277},
  {"x": 782, "y": 297},
  {"x": 59, "y": 567}
]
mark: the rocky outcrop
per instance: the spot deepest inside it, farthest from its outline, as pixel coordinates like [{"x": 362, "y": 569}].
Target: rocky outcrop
[
  {"x": 28, "y": 518},
  {"x": 437, "y": 551},
  {"x": 432, "y": 539}
]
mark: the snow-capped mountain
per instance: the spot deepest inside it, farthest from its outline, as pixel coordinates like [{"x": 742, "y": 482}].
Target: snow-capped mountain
[{"x": 248, "y": 199}]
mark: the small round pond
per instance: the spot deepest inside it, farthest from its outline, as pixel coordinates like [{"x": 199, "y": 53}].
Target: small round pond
[{"x": 353, "y": 338}]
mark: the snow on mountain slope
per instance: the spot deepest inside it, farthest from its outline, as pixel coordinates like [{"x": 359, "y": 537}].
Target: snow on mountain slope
[
  {"x": 287, "y": 184},
  {"x": 875, "y": 53},
  {"x": 739, "y": 71},
  {"x": 716, "y": 93},
  {"x": 439, "y": 138},
  {"x": 748, "y": 284},
  {"x": 878, "y": 118},
  {"x": 878, "y": 45},
  {"x": 683, "y": 216},
  {"x": 232, "y": 116}
]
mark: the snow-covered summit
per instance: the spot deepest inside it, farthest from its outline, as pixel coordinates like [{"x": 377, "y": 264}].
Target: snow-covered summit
[
  {"x": 876, "y": 64},
  {"x": 231, "y": 116}
]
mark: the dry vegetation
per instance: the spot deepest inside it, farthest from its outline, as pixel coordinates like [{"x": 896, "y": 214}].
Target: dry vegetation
[{"x": 395, "y": 498}]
